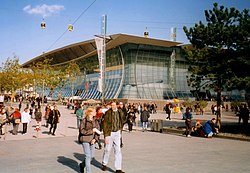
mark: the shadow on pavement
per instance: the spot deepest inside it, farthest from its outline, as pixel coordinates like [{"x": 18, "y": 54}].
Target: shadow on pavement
[
  {"x": 94, "y": 162},
  {"x": 68, "y": 162},
  {"x": 235, "y": 128},
  {"x": 72, "y": 127}
]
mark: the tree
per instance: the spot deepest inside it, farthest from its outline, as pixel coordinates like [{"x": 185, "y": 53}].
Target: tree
[
  {"x": 45, "y": 75},
  {"x": 220, "y": 51},
  {"x": 13, "y": 77},
  {"x": 72, "y": 72}
]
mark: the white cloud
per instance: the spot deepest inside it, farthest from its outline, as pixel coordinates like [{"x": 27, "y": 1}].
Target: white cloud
[{"x": 43, "y": 10}]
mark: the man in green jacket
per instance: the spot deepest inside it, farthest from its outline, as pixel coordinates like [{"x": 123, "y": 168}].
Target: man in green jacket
[{"x": 112, "y": 127}]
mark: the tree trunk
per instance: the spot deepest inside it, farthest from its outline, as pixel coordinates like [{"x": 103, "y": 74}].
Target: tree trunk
[{"x": 218, "y": 113}]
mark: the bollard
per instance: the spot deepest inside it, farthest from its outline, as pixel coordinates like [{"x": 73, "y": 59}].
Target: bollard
[
  {"x": 152, "y": 125},
  {"x": 156, "y": 125},
  {"x": 160, "y": 126}
]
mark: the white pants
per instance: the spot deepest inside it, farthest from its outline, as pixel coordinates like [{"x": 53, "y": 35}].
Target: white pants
[{"x": 115, "y": 141}]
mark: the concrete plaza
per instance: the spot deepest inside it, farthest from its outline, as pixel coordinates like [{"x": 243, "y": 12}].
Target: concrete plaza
[{"x": 147, "y": 152}]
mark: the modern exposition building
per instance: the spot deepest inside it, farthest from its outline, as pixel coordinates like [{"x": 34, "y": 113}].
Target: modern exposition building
[{"x": 136, "y": 68}]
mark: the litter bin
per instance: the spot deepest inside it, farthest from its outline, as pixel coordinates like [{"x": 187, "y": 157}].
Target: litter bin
[{"x": 156, "y": 125}]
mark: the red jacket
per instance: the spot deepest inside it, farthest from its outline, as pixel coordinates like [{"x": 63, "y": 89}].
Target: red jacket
[{"x": 16, "y": 115}]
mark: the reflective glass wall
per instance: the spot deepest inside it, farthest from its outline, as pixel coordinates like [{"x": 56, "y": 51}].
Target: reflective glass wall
[
  {"x": 136, "y": 71},
  {"x": 153, "y": 73}
]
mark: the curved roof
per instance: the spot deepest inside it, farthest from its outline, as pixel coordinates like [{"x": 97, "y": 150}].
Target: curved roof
[{"x": 88, "y": 48}]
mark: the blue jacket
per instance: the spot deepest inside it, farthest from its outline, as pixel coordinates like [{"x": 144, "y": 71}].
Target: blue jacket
[{"x": 209, "y": 127}]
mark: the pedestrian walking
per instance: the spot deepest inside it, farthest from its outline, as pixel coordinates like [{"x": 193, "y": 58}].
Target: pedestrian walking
[
  {"x": 46, "y": 115},
  {"x": 3, "y": 121},
  {"x": 89, "y": 134},
  {"x": 187, "y": 116},
  {"x": 131, "y": 119},
  {"x": 99, "y": 119},
  {"x": 244, "y": 113},
  {"x": 25, "y": 120},
  {"x": 144, "y": 118},
  {"x": 112, "y": 126},
  {"x": 125, "y": 111},
  {"x": 53, "y": 119},
  {"x": 38, "y": 117},
  {"x": 167, "y": 109},
  {"x": 79, "y": 116},
  {"x": 16, "y": 120}
]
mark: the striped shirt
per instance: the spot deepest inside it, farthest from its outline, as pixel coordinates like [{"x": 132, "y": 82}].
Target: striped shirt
[{"x": 115, "y": 121}]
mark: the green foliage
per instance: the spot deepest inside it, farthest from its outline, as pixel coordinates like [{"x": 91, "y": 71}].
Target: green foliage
[
  {"x": 11, "y": 75},
  {"x": 221, "y": 50},
  {"x": 235, "y": 104},
  {"x": 188, "y": 103},
  {"x": 203, "y": 104},
  {"x": 39, "y": 75}
]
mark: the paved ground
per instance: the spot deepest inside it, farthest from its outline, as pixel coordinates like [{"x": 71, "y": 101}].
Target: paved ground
[{"x": 147, "y": 152}]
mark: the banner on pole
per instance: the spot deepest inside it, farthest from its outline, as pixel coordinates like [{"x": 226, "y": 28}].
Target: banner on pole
[{"x": 99, "y": 46}]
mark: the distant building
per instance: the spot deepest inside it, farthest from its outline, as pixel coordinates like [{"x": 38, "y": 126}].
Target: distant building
[{"x": 136, "y": 68}]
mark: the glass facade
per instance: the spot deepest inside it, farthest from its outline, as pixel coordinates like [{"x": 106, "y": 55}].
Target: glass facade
[
  {"x": 137, "y": 71},
  {"x": 136, "y": 68}
]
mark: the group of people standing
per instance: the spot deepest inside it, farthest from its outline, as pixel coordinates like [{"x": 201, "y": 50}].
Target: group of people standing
[{"x": 16, "y": 117}]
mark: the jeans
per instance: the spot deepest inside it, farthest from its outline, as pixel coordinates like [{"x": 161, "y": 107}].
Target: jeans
[
  {"x": 15, "y": 128},
  {"x": 113, "y": 140},
  {"x": 144, "y": 125},
  {"x": 78, "y": 122},
  {"x": 89, "y": 150},
  {"x": 210, "y": 134}
]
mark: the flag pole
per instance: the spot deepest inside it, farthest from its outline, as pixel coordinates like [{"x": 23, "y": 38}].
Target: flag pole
[{"x": 103, "y": 57}]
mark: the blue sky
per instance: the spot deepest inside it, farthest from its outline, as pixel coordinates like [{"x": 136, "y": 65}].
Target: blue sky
[{"x": 22, "y": 36}]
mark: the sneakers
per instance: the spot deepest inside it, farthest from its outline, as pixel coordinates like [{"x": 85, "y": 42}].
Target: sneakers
[
  {"x": 188, "y": 136},
  {"x": 104, "y": 168},
  {"x": 119, "y": 171}
]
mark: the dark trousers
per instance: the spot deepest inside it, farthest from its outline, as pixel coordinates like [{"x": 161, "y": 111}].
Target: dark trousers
[
  {"x": 130, "y": 127},
  {"x": 188, "y": 124},
  {"x": 53, "y": 126},
  {"x": 168, "y": 117},
  {"x": 25, "y": 125}
]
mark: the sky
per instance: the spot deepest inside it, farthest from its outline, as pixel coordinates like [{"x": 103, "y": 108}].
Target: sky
[{"x": 22, "y": 36}]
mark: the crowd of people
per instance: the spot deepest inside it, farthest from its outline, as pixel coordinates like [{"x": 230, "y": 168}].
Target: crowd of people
[
  {"x": 107, "y": 119},
  {"x": 16, "y": 116}
]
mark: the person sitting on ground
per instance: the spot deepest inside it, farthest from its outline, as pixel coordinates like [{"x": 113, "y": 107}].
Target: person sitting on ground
[
  {"x": 209, "y": 128},
  {"x": 198, "y": 129}
]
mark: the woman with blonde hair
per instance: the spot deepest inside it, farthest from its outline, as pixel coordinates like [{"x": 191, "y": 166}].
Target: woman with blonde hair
[{"x": 89, "y": 134}]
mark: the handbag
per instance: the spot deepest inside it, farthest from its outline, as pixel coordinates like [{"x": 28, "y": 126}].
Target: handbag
[{"x": 17, "y": 121}]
